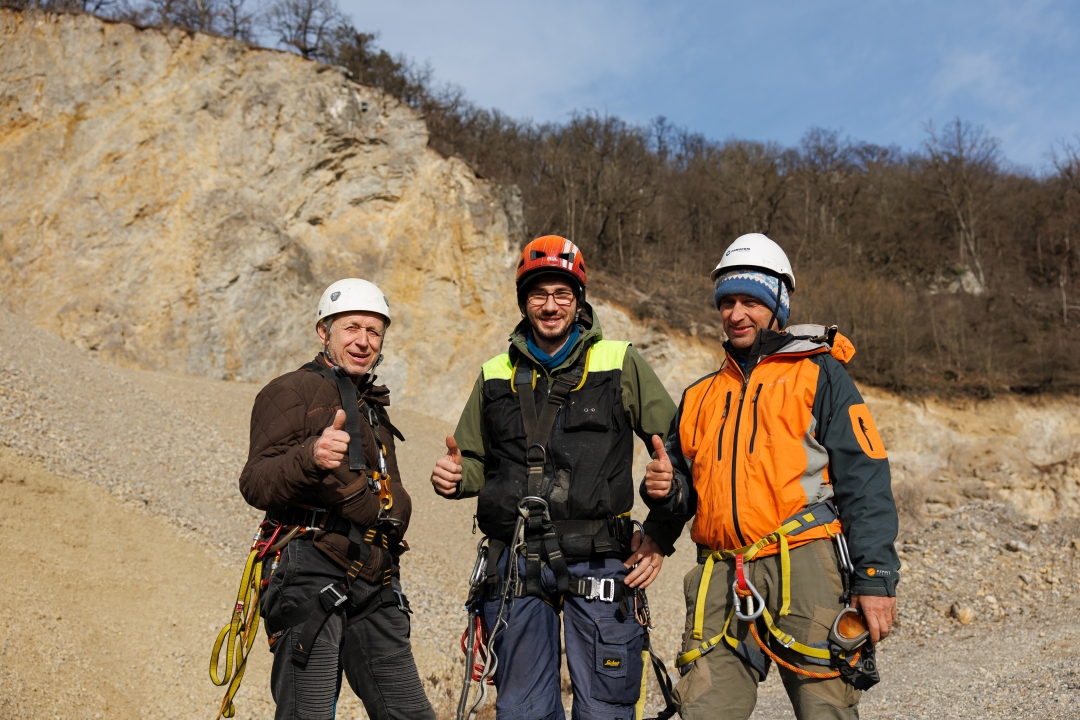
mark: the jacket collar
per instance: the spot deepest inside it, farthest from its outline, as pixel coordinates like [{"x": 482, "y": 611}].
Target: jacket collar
[
  {"x": 366, "y": 389},
  {"x": 590, "y": 333},
  {"x": 795, "y": 340}
]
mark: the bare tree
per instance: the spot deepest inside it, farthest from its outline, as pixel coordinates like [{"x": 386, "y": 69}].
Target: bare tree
[
  {"x": 965, "y": 164},
  {"x": 1068, "y": 167},
  {"x": 306, "y": 26},
  {"x": 238, "y": 19}
]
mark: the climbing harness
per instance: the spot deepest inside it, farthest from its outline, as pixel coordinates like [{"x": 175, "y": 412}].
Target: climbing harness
[
  {"x": 541, "y": 538},
  {"x": 478, "y": 643},
  {"x": 853, "y": 659},
  {"x": 368, "y": 553}
]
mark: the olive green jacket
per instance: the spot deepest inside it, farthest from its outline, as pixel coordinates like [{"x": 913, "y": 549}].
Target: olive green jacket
[{"x": 647, "y": 403}]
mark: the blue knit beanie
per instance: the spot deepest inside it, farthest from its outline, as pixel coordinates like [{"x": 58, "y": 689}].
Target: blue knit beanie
[{"x": 757, "y": 285}]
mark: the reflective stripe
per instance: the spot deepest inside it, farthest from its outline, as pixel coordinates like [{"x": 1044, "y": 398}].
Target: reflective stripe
[
  {"x": 607, "y": 355},
  {"x": 603, "y": 355},
  {"x": 498, "y": 368}
]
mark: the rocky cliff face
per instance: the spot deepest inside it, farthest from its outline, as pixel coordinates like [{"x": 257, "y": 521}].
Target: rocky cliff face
[{"x": 178, "y": 202}]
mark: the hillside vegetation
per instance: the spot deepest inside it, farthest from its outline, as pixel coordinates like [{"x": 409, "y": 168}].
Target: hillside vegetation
[{"x": 948, "y": 267}]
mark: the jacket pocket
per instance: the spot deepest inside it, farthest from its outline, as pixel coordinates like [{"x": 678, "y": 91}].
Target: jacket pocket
[
  {"x": 618, "y": 662},
  {"x": 589, "y": 408},
  {"x": 723, "y": 424},
  {"x": 503, "y": 415},
  {"x": 753, "y": 403}
]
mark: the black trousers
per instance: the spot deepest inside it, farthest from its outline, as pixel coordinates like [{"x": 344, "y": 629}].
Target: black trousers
[{"x": 375, "y": 652}]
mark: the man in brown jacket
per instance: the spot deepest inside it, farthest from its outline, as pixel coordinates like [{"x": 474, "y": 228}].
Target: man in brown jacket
[{"x": 322, "y": 459}]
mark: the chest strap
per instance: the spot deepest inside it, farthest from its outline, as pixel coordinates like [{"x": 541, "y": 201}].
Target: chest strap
[{"x": 541, "y": 540}]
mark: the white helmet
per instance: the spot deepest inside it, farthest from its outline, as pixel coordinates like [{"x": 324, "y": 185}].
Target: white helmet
[
  {"x": 754, "y": 250},
  {"x": 353, "y": 295}
]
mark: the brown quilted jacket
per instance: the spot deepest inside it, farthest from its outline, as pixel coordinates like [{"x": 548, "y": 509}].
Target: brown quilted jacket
[{"x": 289, "y": 415}]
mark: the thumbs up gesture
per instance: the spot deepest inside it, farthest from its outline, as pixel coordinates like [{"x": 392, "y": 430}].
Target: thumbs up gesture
[
  {"x": 658, "y": 473},
  {"x": 447, "y": 473},
  {"x": 333, "y": 444}
]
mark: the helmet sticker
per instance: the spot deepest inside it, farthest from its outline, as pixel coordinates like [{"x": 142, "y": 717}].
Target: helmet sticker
[{"x": 334, "y": 296}]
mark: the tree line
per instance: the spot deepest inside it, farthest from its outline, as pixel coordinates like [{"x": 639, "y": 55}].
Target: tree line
[{"x": 950, "y": 269}]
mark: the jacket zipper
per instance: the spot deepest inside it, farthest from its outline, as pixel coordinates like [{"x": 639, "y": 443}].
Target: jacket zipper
[
  {"x": 753, "y": 435},
  {"x": 735, "y": 464},
  {"x": 720, "y": 440},
  {"x": 866, "y": 434}
]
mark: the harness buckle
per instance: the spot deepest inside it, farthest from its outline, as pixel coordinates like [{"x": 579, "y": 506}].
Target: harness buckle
[
  {"x": 601, "y": 589},
  {"x": 311, "y": 519},
  {"x": 402, "y": 602},
  {"x": 339, "y": 597}
]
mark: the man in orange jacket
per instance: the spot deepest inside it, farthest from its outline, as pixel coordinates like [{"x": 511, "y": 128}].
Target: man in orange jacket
[{"x": 772, "y": 456}]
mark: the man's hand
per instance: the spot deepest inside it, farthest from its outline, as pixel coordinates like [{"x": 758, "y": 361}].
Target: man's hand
[
  {"x": 658, "y": 473},
  {"x": 648, "y": 558},
  {"x": 447, "y": 473},
  {"x": 333, "y": 444},
  {"x": 880, "y": 614}
]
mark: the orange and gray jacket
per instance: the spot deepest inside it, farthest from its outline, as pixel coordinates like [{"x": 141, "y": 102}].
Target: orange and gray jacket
[
  {"x": 590, "y": 452},
  {"x": 752, "y": 447}
]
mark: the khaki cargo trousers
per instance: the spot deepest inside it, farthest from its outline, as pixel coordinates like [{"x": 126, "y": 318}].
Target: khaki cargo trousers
[{"x": 723, "y": 685}]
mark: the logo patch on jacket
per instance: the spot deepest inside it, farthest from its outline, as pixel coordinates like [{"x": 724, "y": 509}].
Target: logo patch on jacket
[
  {"x": 866, "y": 432},
  {"x": 612, "y": 662}
]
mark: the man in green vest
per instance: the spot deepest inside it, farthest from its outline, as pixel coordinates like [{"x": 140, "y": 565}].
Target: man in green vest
[{"x": 547, "y": 437}]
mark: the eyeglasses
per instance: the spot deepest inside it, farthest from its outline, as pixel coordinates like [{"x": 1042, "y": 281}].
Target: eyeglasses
[{"x": 563, "y": 297}]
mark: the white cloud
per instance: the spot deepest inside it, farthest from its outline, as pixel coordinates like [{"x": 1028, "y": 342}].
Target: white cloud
[{"x": 982, "y": 75}]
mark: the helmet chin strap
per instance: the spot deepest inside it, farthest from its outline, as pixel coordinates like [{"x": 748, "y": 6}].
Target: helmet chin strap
[{"x": 772, "y": 318}]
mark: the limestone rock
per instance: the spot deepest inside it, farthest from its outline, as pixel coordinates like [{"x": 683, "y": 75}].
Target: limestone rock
[{"x": 178, "y": 201}]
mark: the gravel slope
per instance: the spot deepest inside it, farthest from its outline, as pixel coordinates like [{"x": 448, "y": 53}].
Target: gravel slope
[{"x": 120, "y": 485}]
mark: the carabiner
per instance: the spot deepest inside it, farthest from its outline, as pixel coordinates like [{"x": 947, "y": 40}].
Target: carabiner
[
  {"x": 479, "y": 572},
  {"x": 752, "y": 614},
  {"x": 524, "y": 510}
]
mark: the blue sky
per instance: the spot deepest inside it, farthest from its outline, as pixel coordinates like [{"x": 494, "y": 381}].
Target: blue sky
[{"x": 764, "y": 70}]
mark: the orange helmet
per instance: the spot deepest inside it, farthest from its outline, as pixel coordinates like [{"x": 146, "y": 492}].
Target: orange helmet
[{"x": 552, "y": 253}]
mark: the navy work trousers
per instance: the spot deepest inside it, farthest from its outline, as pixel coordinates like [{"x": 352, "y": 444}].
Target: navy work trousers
[{"x": 603, "y": 653}]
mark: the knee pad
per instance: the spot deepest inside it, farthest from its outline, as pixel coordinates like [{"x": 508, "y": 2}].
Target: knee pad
[
  {"x": 399, "y": 683},
  {"x": 316, "y": 686}
]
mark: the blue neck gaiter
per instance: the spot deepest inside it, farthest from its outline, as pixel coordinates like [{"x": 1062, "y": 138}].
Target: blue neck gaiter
[{"x": 550, "y": 362}]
